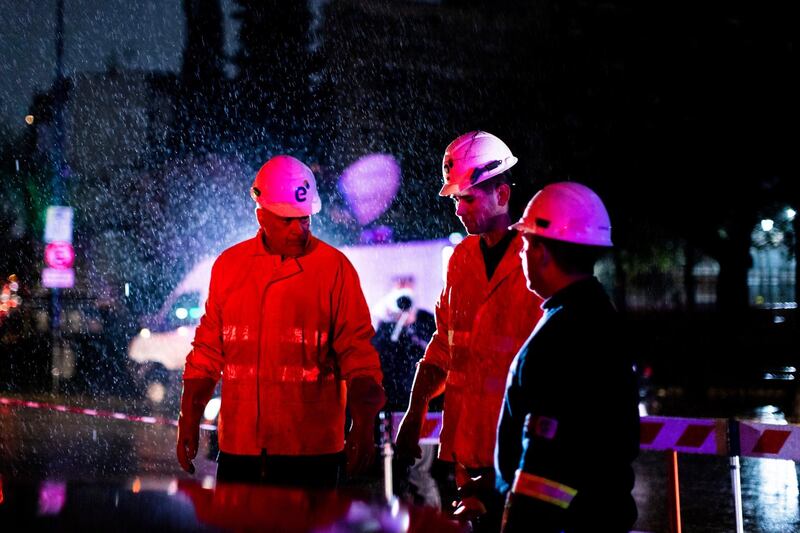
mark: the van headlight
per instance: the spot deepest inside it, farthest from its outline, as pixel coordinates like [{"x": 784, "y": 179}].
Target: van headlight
[{"x": 212, "y": 408}]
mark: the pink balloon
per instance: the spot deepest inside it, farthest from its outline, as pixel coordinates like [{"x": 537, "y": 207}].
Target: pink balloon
[{"x": 369, "y": 185}]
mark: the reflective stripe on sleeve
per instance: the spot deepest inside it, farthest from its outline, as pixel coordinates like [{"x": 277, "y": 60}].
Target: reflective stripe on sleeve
[
  {"x": 458, "y": 338},
  {"x": 543, "y": 489},
  {"x": 298, "y": 374},
  {"x": 499, "y": 344}
]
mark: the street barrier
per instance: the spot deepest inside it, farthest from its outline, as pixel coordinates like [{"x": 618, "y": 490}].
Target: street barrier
[
  {"x": 769, "y": 441},
  {"x": 673, "y": 435},
  {"x": 430, "y": 428},
  {"x": 708, "y": 436}
]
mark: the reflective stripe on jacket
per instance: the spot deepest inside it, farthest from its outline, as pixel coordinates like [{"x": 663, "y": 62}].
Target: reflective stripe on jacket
[
  {"x": 480, "y": 326},
  {"x": 286, "y": 336}
]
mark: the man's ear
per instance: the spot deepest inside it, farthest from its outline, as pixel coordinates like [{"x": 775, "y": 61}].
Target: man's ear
[{"x": 503, "y": 192}]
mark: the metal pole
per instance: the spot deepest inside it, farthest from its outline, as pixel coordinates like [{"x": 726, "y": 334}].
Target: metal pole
[
  {"x": 674, "y": 495},
  {"x": 60, "y": 172},
  {"x": 58, "y": 178},
  {"x": 736, "y": 481},
  {"x": 55, "y": 339},
  {"x": 388, "y": 453}
]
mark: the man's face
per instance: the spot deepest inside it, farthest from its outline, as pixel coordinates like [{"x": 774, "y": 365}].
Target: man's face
[
  {"x": 477, "y": 208},
  {"x": 531, "y": 258},
  {"x": 286, "y": 236}
]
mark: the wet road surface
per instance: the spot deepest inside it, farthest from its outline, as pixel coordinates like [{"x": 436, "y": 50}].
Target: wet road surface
[{"x": 64, "y": 471}]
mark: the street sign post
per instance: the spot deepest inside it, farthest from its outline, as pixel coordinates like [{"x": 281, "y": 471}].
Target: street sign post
[
  {"x": 58, "y": 224},
  {"x": 59, "y": 256}
]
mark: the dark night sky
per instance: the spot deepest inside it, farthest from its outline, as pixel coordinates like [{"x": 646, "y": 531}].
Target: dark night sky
[
  {"x": 144, "y": 34},
  {"x": 660, "y": 101}
]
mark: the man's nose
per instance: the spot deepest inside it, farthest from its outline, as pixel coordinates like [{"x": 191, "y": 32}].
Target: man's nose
[{"x": 460, "y": 208}]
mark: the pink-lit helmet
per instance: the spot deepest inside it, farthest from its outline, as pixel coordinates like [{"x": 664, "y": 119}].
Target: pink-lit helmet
[
  {"x": 286, "y": 187},
  {"x": 472, "y": 158},
  {"x": 569, "y": 212}
]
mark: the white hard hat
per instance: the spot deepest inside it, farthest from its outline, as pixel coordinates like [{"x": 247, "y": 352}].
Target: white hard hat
[
  {"x": 569, "y": 212},
  {"x": 472, "y": 158},
  {"x": 286, "y": 187}
]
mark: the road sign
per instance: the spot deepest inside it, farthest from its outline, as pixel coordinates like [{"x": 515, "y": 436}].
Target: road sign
[
  {"x": 58, "y": 224},
  {"x": 58, "y": 278},
  {"x": 59, "y": 255}
]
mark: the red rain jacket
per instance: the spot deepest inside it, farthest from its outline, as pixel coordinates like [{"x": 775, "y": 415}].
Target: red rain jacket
[
  {"x": 286, "y": 336},
  {"x": 480, "y": 326}
]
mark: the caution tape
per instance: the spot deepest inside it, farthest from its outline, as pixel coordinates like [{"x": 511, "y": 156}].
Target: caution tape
[
  {"x": 99, "y": 413},
  {"x": 708, "y": 436}
]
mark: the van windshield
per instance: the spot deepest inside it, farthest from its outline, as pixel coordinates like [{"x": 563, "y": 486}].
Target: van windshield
[{"x": 186, "y": 311}]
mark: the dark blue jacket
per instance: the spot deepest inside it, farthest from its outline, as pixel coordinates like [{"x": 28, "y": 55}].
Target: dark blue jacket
[{"x": 570, "y": 420}]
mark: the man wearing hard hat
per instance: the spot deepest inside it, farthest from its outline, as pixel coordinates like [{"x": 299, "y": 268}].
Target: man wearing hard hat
[
  {"x": 287, "y": 328},
  {"x": 483, "y": 315},
  {"x": 563, "y": 465}
]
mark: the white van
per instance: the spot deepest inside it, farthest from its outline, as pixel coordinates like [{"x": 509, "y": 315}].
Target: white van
[{"x": 159, "y": 350}]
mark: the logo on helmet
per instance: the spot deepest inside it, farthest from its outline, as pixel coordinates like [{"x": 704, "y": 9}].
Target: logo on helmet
[
  {"x": 301, "y": 193},
  {"x": 448, "y": 166}
]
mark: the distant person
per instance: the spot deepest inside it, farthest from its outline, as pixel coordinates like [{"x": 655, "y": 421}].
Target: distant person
[
  {"x": 483, "y": 315},
  {"x": 569, "y": 428},
  {"x": 287, "y": 328},
  {"x": 402, "y": 334}
]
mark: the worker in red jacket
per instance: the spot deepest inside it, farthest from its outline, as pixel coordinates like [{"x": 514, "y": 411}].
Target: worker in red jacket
[
  {"x": 288, "y": 330},
  {"x": 483, "y": 316}
]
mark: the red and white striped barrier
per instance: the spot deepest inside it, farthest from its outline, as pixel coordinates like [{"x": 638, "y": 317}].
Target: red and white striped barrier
[
  {"x": 431, "y": 428},
  {"x": 769, "y": 441},
  {"x": 685, "y": 435}
]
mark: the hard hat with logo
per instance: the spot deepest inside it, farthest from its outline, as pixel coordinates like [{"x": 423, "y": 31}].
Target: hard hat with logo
[
  {"x": 472, "y": 158},
  {"x": 286, "y": 187},
  {"x": 569, "y": 212}
]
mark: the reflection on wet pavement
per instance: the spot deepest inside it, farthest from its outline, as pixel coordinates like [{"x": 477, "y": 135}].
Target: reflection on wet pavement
[{"x": 69, "y": 471}]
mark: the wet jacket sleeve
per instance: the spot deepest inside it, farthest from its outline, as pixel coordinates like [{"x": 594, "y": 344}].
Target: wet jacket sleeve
[
  {"x": 531, "y": 465},
  {"x": 438, "y": 351},
  {"x": 207, "y": 356},
  {"x": 352, "y": 328},
  {"x": 509, "y": 427}
]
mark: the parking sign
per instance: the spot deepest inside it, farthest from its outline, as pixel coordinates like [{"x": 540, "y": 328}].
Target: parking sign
[{"x": 58, "y": 224}]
